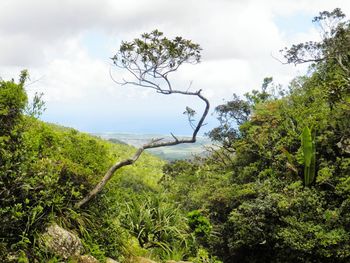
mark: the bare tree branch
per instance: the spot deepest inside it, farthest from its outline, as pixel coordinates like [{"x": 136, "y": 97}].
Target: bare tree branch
[{"x": 152, "y": 144}]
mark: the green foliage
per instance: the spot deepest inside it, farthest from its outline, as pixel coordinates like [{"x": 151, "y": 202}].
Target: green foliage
[
  {"x": 258, "y": 207},
  {"x": 12, "y": 103},
  {"x": 236, "y": 112},
  {"x": 46, "y": 168},
  {"x": 199, "y": 224},
  {"x": 156, "y": 224},
  {"x": 37, "y": 106},
  {"x": 158, "y": 52},
  {"x": 204, "y": 257},
  {"x": 309, "y": 151}
]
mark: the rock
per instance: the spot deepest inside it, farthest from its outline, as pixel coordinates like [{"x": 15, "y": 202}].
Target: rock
[
  {"x": 344, "y": 145},
  {"x": 147, "y": 260},
  {"x": 12, "y": 257},
  {"x": 62, "y": 242},
  {"x": 142, "y": 260},
  {"x": 87, "y": 259},
  {"x": 110, "y": 260}
]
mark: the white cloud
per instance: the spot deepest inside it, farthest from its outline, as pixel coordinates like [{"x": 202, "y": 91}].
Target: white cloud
[{"x": 237, "y": 36}]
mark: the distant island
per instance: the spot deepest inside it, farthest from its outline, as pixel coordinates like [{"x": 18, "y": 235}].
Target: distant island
[{"x": 178, "y": 152}]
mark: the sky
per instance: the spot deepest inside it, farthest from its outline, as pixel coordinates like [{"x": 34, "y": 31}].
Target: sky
[{"x": 66, "y": 46}]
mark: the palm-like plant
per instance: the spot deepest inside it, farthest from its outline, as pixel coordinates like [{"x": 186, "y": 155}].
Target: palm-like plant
[
  {"x": 309, "y": 150},
  {"x": 155, "y": 223}
]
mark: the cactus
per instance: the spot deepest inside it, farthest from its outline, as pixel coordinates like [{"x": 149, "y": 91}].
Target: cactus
[{"x": 309, "y": 150}]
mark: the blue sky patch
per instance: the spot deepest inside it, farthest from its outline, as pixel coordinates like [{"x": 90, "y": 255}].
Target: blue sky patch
[{"x": 294, "y": 24}]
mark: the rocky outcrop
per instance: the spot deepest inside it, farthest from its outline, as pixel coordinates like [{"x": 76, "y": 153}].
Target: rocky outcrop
[
  {"x": 67, "y": 245},
  {"x": 141, "y": 260},
  {"x": 62, "y": 242},
  {"x": 87, "y": 259}
]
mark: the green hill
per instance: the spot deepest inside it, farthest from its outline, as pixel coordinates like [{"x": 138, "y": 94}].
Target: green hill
[
  {"x": 45, "y": 169},
  {"x": 58, "y": 167}
]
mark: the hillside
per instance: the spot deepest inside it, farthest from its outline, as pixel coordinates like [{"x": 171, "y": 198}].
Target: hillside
[{"x": 46, "y": 168}]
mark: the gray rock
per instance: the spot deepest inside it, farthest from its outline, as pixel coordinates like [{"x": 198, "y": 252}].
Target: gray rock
[
  {"x": 87, "y": 259},
  {"x": 141, "y": 260},
  {"x": 62, "y": 242},
  {"x": 344, "y": 145},
  {"x": 110, "y": 260}
]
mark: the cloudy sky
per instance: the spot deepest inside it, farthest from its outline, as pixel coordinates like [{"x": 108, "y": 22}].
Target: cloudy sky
[{"x": 66, "y": 46}]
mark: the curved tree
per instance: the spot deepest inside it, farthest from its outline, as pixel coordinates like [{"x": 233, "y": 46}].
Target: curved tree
[{"x": 150, "y": 60}]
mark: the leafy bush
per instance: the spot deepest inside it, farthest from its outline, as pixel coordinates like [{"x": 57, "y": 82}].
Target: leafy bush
[{"x": 199, "y": 224}]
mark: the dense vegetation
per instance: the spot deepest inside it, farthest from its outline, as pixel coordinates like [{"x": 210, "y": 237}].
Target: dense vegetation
[
  {"x": 276, "y": 190},
  {"x": 46, "y": 168}
]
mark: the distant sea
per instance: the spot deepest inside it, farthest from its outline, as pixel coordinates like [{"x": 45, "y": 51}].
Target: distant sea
[{"x": 170, "y": 153}]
